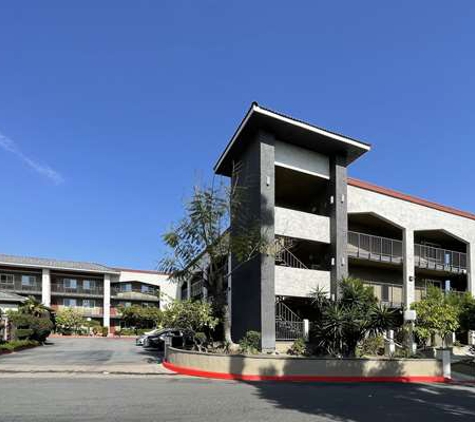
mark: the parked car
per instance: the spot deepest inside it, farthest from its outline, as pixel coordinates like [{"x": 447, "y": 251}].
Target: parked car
[
  {"x": 139, "y": 341},
  {"x": 179, "y": 338}
]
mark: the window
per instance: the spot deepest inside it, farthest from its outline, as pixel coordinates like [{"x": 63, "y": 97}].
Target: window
[
  {"x": 88, "y": 284},
  {"x": 147, "y": 289},
  {"x": 70, "y": 283},
  {"x": 6, "y": 280},
  {"x": 28, "y": 280},
  {"x": 89, "y": 303},
  {"x": 126, "y": 304},
  {"x": 69, "y": 302},
  {"x": 126, "y": 287}
]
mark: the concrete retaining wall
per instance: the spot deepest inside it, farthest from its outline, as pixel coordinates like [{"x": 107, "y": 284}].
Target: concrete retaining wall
[{"x": 256, "y": 368}]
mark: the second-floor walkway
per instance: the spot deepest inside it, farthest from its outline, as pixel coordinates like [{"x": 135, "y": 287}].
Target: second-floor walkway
[{"x": 384, "y": 249}]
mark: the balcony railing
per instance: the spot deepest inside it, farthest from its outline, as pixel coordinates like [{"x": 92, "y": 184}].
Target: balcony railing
[
  {"x": 152, "y": 292},
  {"x": 86, "y": 311},
  {"x": 384, "y": 249},
  {"x": 93, "y": 291},
  {"x": 17, "y": 286},
  {"x": 374, "y": 248},
  {"x": 439, "y": 259},
  {"x": 392, "y": 295}
]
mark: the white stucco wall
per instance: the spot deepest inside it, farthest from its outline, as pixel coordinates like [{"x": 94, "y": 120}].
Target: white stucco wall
[
  {"x": 299, "y": 282},
  {"x": 414, "y": 217},
  {"x": 168, "y": 289},
  {"x": 302, "y": 225},
  {"x": 301, "y": 159}
]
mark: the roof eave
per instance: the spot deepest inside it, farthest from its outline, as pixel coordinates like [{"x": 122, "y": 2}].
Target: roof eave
[{"x": 358, "y": 148}]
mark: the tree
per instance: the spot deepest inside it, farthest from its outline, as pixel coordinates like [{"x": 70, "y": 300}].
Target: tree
[
  {"x": 70, "y": 319},
  {"x": 435, "y": 315},
  {"x": 189, "y": 315},
  {"x": 34, "y": 307},
  {"x": 200, "y": 243},
  {"x": 341, "y": 325},
  {"x": 141, "y": 316}
]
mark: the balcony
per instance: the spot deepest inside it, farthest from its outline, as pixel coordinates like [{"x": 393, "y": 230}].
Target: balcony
[
  {"x": 85, "y": 311},
  {"x": 374, "y": 248},
  {"x": 149, "y": 295},
  {"x": 79, "y": 291},
  {"x": 392, "y": 295},
  {"x": 384, "y": 249},
  {"x": 18, "y": 287},
  {"x": 440, "y": 259},
  {"x": 302, "y": 225}
]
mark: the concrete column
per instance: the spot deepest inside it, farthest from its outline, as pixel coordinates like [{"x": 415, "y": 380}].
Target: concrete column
[
  {"x": 338, "y": 223},
  {"x": 253, "y": 291},
  {"x": 188, "y": 289},
  {"x": 408, "y": 268},
  {"x": 46, "y": 287},
  {"x": 107, "y": 300},
  {"x": 306, "y": 329},
  {"x": 471, "y": 268}
]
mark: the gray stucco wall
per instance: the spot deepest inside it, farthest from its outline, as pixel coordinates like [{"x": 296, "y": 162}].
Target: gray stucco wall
[{"x": 253, "y": 293}]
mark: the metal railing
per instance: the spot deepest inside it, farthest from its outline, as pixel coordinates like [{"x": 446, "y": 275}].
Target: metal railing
[
  {"x": 149, "y": 291},
  {"x": 288, "y": 325},
  {"x": 17, "y": 286},
  {"x": 84, "y": 310},
  {"x": 197, "y": 289},
  {"x": 284, "y": 257},
  {"x": 384, "y": 249},
  {"x": 93, "y": 291},
  {"x": 392, "y": 295},
  {"x": 439, "y": 259},
  {"x": 374, "y": 248}
]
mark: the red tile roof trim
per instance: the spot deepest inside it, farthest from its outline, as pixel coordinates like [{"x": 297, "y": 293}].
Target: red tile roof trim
[{"x": 419, "y": 201}]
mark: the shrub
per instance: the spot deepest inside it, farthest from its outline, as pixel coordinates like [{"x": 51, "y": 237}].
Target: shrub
[
  {"x": 13, "y": 345},
  {"x": 342, "y": 325},
  {"x": 298, "y": 348},
  {"x": 190, "y": 315},
  {"x": 23, "y": 333},
  {"x": 200, "y": 341},
  {"x": 435, "y": 315},
  {"x": 250, "y": 343},
  {"x": 105, "y": 331},
  {"x": 372, "y": 346}
]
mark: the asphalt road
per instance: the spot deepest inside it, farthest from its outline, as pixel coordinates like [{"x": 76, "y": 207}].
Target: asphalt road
[
  {"x": 174, "y": 398},
  {"x": 83, "y": 352}
]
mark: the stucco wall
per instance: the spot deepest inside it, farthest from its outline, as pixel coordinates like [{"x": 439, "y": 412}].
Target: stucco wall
[
  {"x": 294, "y": 157},
  {"x": 300, "y": 282},
  {"x": 414, "y": 217},
  {"x": 302, "y": 225},
  {"x": 168, "y": 289},
  {"x": 295, "y": 366}
]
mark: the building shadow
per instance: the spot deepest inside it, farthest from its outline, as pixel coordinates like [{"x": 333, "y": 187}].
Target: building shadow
[{"x": 363, "y": 401}]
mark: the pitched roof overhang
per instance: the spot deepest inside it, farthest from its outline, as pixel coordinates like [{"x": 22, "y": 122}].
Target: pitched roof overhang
[{"x": 287, "y": 129}]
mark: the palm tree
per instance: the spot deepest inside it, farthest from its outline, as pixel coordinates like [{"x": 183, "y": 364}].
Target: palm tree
[{"x": 34, "y": 307}]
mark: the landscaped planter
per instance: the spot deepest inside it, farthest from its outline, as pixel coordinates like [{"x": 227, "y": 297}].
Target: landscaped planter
[{"x": 268, "y": 367}]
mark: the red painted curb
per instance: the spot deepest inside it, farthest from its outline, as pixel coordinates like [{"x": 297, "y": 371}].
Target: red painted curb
[{"x": 297, "y": 378}]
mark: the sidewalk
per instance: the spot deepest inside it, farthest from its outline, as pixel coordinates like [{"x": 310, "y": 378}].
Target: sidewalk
[{"x": 136, "y": 369}]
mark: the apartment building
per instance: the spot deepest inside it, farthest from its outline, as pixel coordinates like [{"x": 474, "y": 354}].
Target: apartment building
[
  {"x": 95, "y": 290},
  {"x": 327, "y": 226}
]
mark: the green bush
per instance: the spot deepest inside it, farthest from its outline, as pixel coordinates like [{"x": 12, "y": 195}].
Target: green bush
[
  {"x": 23, "y": 333},
  {"x": 105, "y": 331},
  {"x": 298, "y": 348},
  {"x": 250, "y": 343},
  {"x": 13, "y": 345},
  {"x": 372, "y": 346}
]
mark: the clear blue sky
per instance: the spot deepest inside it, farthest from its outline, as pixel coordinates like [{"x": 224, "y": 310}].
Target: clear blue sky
[{"x": 110, "y": 110}]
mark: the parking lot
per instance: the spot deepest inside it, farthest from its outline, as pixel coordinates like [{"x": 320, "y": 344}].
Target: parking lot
[{"x": 84, "y": 355}]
